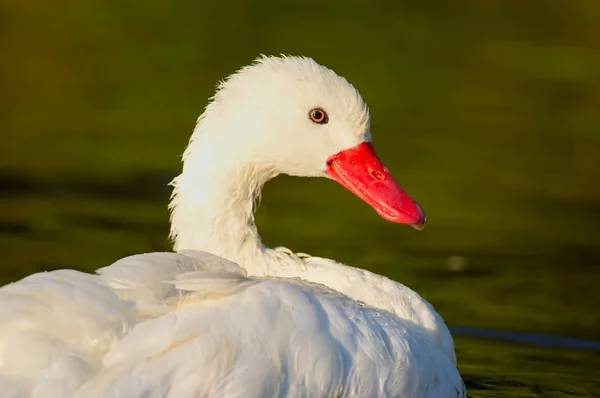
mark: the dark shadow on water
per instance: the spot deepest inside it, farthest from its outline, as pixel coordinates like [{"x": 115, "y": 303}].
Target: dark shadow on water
[
  {"x": 139, "y": 186},
  {"x": 527, "y": 338},
  {"x": 112, "y": 224},
  {"x": 15, "y": 228}
]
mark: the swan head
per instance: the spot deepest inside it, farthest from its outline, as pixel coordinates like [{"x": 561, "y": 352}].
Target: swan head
[{"x": 290, "y": 115}]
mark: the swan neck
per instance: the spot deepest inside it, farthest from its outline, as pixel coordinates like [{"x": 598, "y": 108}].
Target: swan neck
[{"x": 213, "y": 203}]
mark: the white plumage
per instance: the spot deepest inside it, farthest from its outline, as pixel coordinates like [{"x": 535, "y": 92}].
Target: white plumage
[{"x": 192, "y": 324}]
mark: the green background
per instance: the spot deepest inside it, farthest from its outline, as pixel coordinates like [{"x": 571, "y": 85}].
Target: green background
[{"x": 486, "y": 112}]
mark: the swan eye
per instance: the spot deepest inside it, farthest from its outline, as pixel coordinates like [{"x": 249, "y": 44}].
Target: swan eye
[{"x": 318, "y": 116}]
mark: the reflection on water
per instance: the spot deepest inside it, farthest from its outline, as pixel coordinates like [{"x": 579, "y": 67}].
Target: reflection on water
[{"x": 485, "y": 112}]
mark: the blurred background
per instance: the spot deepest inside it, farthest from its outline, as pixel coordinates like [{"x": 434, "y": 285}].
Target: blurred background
[{"x": 486, "y": 112}]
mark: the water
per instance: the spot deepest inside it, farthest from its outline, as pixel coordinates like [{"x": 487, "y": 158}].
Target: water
[{"x": 486, "y": 113}]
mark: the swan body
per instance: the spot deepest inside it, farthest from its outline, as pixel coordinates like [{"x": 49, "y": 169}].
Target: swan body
[{"x": 224, "y": 315}]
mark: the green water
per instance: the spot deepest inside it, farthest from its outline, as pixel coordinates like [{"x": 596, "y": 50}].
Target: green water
[{"x": 486, "y": 112}]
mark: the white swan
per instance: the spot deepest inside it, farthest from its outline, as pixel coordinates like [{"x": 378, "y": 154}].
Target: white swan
[{"x": 191, "y": 324}]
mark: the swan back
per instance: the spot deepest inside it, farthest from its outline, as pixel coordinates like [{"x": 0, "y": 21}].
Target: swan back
[{"x": 193, "y": 324}]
